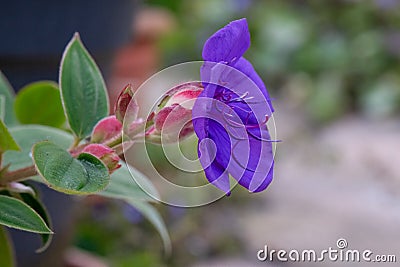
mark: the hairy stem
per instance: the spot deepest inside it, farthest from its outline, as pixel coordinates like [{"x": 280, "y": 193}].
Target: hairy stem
[
  {"x": 115, "y": 141},
  {"x": 75, "y": 143},
  {"x": 18, "y": 175}
]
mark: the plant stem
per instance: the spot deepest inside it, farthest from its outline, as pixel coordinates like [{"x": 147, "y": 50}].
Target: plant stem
[
  {"x": 75, "y": 143},
  {"x": 115, "y": 141},
  {"x": 18, "y": 175}
]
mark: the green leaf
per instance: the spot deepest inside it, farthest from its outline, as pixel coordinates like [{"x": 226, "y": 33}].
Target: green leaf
[
  {"x": 83, "y": 91},
  {"x": 6, "y": 105},
  {"x": 83, "y": 175},
  {"x": 124, "y": 186},
  {"x": 40, "y": 103},
  {"x": 36, "y": 205},
  {"x": 2, "y": 107},
  {"x": 26, "y": 136},
  {"x": 6, "y": 140},
  {"x": 6, "y": 252},
  {"x": 154, "y": 217},
  {"x": 16, "y": 214}
]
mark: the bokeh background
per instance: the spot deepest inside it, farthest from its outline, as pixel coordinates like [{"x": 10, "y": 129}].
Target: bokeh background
[{"x": 333, "y": 69}]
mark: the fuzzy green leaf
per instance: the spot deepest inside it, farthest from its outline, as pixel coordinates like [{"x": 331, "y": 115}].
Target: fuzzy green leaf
[
  {"x": 26, "y": 136},
  {"x": 6, "y": 102},
  {"x": 83, "y": 175},
  {"x": 16, "y": 214},
  {"x": 83, "y": 91},
  {"x": 7, "y": 142},
  {"x": 6, "y": 252},
  {"x": 36, "y": 205},
  {"x": 40, "y": 103}
]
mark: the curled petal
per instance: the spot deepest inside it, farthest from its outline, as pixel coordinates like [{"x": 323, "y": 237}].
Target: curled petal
[
  {"x": 228, "y": 44},
  {"x": 213, "y": 154},
  {"x": 231, "y": 113}
]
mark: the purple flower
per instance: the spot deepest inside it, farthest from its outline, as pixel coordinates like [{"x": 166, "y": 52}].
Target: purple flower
[{"x": 230, "y": 115}]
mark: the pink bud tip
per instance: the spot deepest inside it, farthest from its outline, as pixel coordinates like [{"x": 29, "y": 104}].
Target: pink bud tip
[
  {"x": 106, "y": 129},
  {"x": 105, "y": 154},
  {"x": 172, "y": 120},
  {"x": 126, "y": 104}
]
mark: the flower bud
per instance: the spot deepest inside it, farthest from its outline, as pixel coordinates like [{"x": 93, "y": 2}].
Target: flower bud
[
  {"x": 136, "y": 127},
  {"x": 126, "y": 104},
  {"x": 106, "y": 129},
  {"x": 184, "y": 94},
  {"x": 172, "y": 121},
  {"x": 105, "y": 154}
]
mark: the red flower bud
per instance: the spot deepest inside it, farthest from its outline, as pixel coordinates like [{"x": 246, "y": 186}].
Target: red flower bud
[
  {"x": 126, "y": 104},
  {"x": 184, "y": 94},
  {"x": 173, "y": 121},
  {"x": 136, "y": 127},
  {"x": 106, "y": 129},
  {"x": 105, "y": 154}
]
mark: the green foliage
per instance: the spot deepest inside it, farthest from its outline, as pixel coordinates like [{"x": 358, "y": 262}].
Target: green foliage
[
  {"x": 6, "y": 252},
  {"x": 123, "y": 186},
  {"x": 26, "y": 136},
  {"x": 6, "y": 102},
  {"x": 6, "y": 140},
  {"x": 16, "y": 214},
  {"x": 36, "y": 205},
  {"x": 83, "y": 101},
  {"x": 85, "y": 174},
  {"x": 83, "y": 91},
  {"x": 29, "y": 107}
]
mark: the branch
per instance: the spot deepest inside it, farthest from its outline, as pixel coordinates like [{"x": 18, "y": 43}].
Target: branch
[{"x": 18, "y": 175}]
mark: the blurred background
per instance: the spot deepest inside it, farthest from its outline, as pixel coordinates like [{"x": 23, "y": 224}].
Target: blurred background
[{"x": 333, "y": 69}]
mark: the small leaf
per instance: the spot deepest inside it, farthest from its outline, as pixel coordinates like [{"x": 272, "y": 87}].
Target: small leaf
[
  {"x": 124, "y": 186},
  {"x": 154, "y": 217},
  {"x": 16, "y": 214},
  {"x": 40, "y": 209},
  {"x": 6, "y": 106},
  {"x": 83, "y": 91},
  {"x": 6, "y": 140},
  {"x": 83, "y": 175},
  {"x": 26, "y": 136},
  {"x": 40, "y": 103},
  {"x": 6, "y": 252}
]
